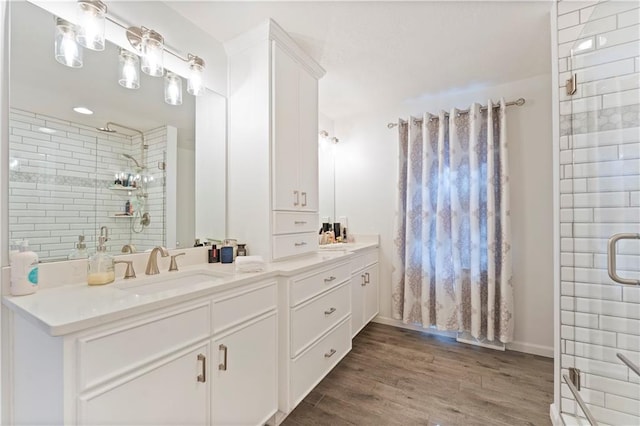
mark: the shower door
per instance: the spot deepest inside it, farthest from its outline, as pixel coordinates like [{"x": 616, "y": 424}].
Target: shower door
[{"x": 600, "y": 218}]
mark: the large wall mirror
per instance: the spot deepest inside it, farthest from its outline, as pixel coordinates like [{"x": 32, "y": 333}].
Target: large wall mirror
[{"x": 130, "y": 165}]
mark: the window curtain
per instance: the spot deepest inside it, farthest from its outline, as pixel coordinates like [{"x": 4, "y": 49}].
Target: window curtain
[{"x": 452, "y": 257}]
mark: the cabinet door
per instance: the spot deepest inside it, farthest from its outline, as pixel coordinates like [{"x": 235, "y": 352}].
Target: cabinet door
[
  {"x": 244, "y": 374},
  {"x": 286, "y": 191},
  {"x": 169, "y": 393},
  {"x": 308, "y": 166},
  {"x": 357, "y": 302},
  {"x": 371, "y": 293}
]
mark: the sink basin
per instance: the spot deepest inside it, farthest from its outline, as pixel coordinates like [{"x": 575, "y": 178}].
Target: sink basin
[{"x": 170, "y": 282}]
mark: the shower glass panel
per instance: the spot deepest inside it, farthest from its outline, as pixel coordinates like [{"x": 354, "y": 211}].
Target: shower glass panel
[{"x": 600, "y": 219}]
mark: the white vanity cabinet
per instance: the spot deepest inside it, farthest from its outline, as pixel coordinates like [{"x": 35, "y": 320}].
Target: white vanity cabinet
[
  {"x": 272, "y": 199},
  {"x": 364, "y": 289},
  {"x": 314, "y": 329},
  {"x": 206, "y": 362}
]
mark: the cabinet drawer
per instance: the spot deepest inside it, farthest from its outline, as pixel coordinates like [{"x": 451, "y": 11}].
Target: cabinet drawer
[
  {"x": 309, "y": 286},
  {"x": 310, "y": 320},
  {"x": 363, "y": 260},
  {"x": 293, "y": 222},
  {"x": 115, "y": 351},
  {"x": 240, "y": 307},
  {"x": 311, "y": 367},
  {"x": 294, "y": 244}
]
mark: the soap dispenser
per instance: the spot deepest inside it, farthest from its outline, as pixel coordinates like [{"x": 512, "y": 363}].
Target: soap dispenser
[
  {"x": 80, "y": 252},
  {"x": 101, "y": 264}
]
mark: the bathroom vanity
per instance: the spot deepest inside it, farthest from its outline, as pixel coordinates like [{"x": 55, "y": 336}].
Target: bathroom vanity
[{"x": 201, "y": 346}]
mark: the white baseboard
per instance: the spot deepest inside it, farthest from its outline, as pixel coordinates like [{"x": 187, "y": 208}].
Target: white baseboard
[
  {"x": 529, "y": 348},
  {"x": 554, "y": 414}
]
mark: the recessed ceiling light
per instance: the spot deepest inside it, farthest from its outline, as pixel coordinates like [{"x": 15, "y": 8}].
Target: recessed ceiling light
[
  {"x": 46, "y": 130},
  {"x": 83, "y": 110}
]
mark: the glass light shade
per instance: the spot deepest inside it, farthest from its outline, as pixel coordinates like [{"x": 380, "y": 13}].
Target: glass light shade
[
  {"x": 129, "y": 70},
  {"x": 172, "y": 89},
  {"x": 67, "y": 50},
  {"x": 152, "y": 49},
  {"x": 91, "y": 21},
  {"x": 195, "y": 83}
]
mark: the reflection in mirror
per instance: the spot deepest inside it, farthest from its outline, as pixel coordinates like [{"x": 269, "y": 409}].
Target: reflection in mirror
[
  {"x": 326, "y": 175},
  {"x": 70, "y": 173}
]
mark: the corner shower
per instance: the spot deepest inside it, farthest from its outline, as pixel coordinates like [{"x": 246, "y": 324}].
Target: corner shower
[{"x": 141, "y": 216}]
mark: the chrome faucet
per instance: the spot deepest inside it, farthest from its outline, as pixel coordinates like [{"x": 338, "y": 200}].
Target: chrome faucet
[
  {"x": 152, "y": 263},
  {"x": 128, "y": 248}
]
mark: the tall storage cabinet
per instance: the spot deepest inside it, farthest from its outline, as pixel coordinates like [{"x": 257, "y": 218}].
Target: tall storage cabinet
[{"x": 272, "y": 200}]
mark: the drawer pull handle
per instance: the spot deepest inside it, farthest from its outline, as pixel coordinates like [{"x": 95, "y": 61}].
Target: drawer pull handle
[
  {"x": 367, "y": 278},
  {"x": 300, "y": 244},
  {"x": 202, "y": 377},
  {"x": 330, "y": 311},
  {"x": 300, "y": 222},
  {"x": 296, "y": 198},
  {"x": 329, "y": 354},
  {"x": 304, "y": 203},
  {"x": 364, "y": 280},
  {"x": 328, "y": 280},
  {"x": 223, "y": 366}
]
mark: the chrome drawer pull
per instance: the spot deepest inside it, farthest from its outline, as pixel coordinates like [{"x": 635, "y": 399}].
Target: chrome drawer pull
[
  {"x": 296, "y": 196},
  {"x": 330, "y": 353},
  {"x": 202, "y": 377},
  {"x": 300, "y": 244},
  {"x": 300, "y": 222},
  {"x": 328, "y": 280},
  {"x": 223, "y": 366},
  {"x": 364, "y": 280},
  {"x": 330, "y": 311},
  {"x": 304, "y": 196}
]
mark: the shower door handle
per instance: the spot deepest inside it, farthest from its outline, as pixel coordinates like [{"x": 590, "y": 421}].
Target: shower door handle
[{"x": 611, "y": 258}]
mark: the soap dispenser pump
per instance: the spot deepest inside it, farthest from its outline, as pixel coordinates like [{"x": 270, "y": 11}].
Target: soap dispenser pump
[{"x": 101, "y": 264}]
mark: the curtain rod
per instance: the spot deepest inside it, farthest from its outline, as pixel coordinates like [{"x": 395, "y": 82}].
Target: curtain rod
[{"x": 518, "y": 102}]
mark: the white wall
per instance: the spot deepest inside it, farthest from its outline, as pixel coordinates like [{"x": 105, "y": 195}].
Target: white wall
[
  {"x": 186, "y": 198},
  {"x": 366, "y": 173}
]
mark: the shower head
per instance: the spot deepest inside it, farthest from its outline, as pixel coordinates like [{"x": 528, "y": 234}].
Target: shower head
[
  {"x": 106, "y": 129},
  {"x": 130, "y": 157}
]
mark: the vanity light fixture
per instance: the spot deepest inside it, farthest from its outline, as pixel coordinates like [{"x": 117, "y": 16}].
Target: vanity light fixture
[
  {"x": 334, "y": 140},
  {"x": 195, "y": 84},
  {"x": 67, "y": 50},
  {"x": 323, "y": 134},
  {"x": 172, "y": 89},
  {"x": 91, "y": 22},
  {"x": 82, "y": 110},
  {"x": 129, "y": 69}
]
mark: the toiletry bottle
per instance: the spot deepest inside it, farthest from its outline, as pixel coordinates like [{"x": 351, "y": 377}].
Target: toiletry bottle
[
  {"x": 127, "y": 207},
  {"x": 101, "y": 265},
  {"x": 242, "y": 249},
  {"x": 214, "y": 254},
  {"x": 24, "y": 271},
  {"x": 80, "y": 252}
]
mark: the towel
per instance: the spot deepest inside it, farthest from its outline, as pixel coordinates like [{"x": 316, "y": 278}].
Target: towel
[{"x": 249, "y": 264}]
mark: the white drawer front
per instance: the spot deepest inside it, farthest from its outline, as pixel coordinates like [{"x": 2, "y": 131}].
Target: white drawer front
[
  {"x": 357, "y": 263},
  {"x": 110, "y": 353},
  {"x": 307, "y": 287},
  {"x": 294, "y": 244},
  {"x": 238, "y": 308},
  {"x": 311, "y": 320},
  {"x": 294, "y": 222},
  {"x": 363, "y": 260},
  {"x": 311, "y": 367}
]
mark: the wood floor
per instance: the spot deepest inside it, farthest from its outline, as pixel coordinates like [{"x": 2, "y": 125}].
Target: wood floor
[{"x": 394, "y": 376}]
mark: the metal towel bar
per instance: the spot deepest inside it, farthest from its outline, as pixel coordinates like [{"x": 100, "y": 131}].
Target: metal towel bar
[
  {"x": 629, "y": 364},
  {"x": 576, "y": 394}
]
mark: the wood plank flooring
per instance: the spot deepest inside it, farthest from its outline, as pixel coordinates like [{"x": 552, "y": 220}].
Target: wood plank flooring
[{"x": 395, "y": 376}]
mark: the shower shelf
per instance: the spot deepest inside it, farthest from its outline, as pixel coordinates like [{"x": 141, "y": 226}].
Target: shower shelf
[
  {"x": 122, "y": 188},
  {"x": 121, "y": 216}
]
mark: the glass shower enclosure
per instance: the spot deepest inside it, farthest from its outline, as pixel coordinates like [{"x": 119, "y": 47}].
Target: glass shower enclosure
[{"x": 600, "y": 218}]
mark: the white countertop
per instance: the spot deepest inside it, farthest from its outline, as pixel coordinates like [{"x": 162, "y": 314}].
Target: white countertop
[{"x": 72, "y": 308}]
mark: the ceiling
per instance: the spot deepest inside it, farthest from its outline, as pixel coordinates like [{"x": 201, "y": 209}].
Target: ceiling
[
  {"x": 389, "y": 53},
  {"x": 40, "y": 84}
]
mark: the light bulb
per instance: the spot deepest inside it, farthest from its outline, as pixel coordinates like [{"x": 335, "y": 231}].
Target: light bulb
[
  {"x": 152, "y": 48},
  {"x": 172, "y": 89},
  {"x": 91, "y": 22},
  {"x": 195, "y": 84},
  {"x": 129, "y": 74},
  {"x": 67, "y": 51}
]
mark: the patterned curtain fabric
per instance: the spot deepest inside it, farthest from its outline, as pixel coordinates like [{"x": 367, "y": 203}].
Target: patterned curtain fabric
[{"x": 452, "y": 259}]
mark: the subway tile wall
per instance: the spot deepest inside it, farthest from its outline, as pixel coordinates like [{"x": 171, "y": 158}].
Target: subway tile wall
[
  {"x": 60, "y": 179},
  {"x": 600, "y": 196}
]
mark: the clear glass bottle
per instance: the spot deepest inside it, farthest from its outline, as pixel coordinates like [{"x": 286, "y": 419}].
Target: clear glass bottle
[
  {"x": 101, "y": 265},
  {"x": 80, "y": 252}
]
